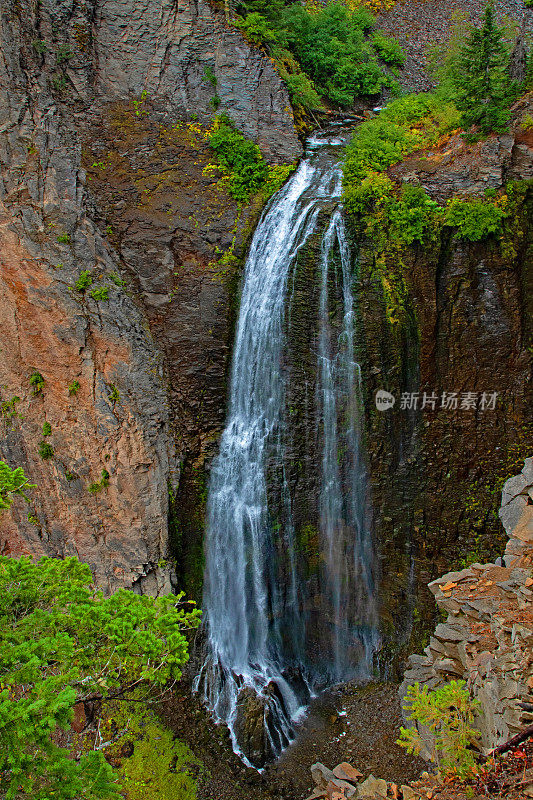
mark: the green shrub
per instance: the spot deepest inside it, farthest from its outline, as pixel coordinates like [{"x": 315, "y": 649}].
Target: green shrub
[
  {"x": 412, "y": 215},
  {"x": 389, "y": 50},
  {"x": 302, "y": 91},
  {"x": 37, "y": 382},
  {"x": 368, "y": 194},
  {"x": 47, "y": 429},
  {"x": 45, "y": 450},
  {"x": 277, "y": 175},
  {"x": 39, "y": 46},
  {"x": 64, "y": 643},
  {"x": 117, "y": 280},
  {"x": 63, "y": 54},
  {"x": 448, "y": 715},
  {"x": 100, "y": 293},
  {"x": 97, "y": 486},
  {"x": 63, "y": 238},
  {"x": 73, "y": 388},
  {"x": 475, "y": 219},
  {"x": 8, "y": 408},
  {"x": 329, "y": 44},
  {"x": 241, "y": 159},
  {"x": 257, "y": 28},
  {"x": 327, "y": 47},
  {"x": 12, "y": 482},
  {"x": 83, "y": 282}
]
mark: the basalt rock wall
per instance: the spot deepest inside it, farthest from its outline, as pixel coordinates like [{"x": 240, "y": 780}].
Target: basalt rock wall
[
  {"x": 450, "y": 317},
  {"x": 111, "y": 286}
]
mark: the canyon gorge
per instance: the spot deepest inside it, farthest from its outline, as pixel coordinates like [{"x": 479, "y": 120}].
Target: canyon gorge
[{"x": 189, "y": 381}]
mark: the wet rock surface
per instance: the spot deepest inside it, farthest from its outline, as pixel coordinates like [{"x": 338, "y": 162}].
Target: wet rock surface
[
  {"x": 458, "y": 321},
  {"x": 351, "y": 724}
]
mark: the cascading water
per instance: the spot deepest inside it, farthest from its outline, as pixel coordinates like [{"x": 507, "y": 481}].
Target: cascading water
[{"x": 255, "y": 598}]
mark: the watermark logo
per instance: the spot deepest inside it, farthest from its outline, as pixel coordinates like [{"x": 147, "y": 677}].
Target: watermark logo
[
  {"x": 384, "y": 400},
  {"x": 430, "y": 401}
]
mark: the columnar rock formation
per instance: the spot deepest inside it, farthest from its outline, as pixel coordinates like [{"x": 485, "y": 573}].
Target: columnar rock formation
[{"x": 487, "y": 638}]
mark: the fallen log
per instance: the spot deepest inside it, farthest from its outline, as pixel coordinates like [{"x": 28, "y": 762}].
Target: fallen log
[{"x": 513, "y": 742}]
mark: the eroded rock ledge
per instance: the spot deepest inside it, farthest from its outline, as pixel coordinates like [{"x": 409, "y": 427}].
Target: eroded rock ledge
[{"x": 487, "y": 638}]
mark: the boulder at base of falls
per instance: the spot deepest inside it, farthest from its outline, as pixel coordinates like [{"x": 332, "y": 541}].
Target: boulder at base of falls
[
  {"x": 261, "y": 726},
  {"x": 251, "y": 728}
]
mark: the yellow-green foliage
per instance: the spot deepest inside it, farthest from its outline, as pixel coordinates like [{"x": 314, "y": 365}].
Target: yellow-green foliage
[
  {"x": 448, "y": 715},
  {"x": 476, "y": 218},
  {"x": 405, "y": 125},
  {"x": 160, "y": 767},
  {"x": 245, "y": 172}
]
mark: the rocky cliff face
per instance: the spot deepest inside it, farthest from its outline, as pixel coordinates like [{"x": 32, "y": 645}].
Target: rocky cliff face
[
  {"x": 487, "y": 638},
  {"x": 111, "y": 233},
  {"x": 451, "y": 317}
]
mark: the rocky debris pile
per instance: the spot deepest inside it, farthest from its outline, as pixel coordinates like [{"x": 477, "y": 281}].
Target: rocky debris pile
[
  {"x": 345, "y": 781},
  {"x": 487, "y": 638}
]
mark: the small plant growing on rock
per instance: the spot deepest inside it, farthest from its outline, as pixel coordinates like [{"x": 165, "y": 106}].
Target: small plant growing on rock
[
  {"x": 73, "y": 388},
  {"x": 99, "y": 294},
  {"x": 45, "y": 450},
  {"x": 63, "y": 238},
  {"x": 63, "y": 54},
  {"x": 47, "y": 429},
  {"x": 12, "y": 482},
  {"x": 114, "y": 394},
  {"x": 37, "y": 382},
  {"x": 448, "y": 714},
  {"x": 8, "y": 408},
  {"x": 83, "y": 282},
  {"x": 97, "y": 486},
  {"x": 39, "y": 46},
  {"x": 117, "y": 280}
]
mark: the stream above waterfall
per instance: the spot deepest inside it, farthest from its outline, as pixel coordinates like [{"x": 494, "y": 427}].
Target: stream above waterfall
[{"x": 290, "y": 586}]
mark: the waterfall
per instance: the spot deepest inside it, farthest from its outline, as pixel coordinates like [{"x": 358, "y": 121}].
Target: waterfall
[
  {"x": 344, "y": 509},
  {"x": 257, "y": 664}
]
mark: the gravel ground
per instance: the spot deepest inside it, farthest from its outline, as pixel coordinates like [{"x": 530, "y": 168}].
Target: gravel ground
[
  {"x": 347, "y": 723},
  {"x": 418, "y": 24}
]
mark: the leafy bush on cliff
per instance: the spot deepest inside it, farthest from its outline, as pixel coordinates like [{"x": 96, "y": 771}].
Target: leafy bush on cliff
[
  {"x": 405, "y": 125},
  {"x": 327, "y": 47},
  {"x": 241, "y": 158},
  {"x": 475, "y": 218},
  {"x": 246, "y": 171},
  {"x": 62, "y": 642},
  {"x": 448, "y": 714}
]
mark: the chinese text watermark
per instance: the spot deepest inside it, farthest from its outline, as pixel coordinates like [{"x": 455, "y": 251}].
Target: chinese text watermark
[{"x": 448, "y": 401}]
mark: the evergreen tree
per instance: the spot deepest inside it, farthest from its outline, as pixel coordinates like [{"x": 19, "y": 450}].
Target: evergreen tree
[
  {"x": 482, "y": 83},
  {"x": 62, "y": 643},
  {"x": 12, "y": 482}
]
